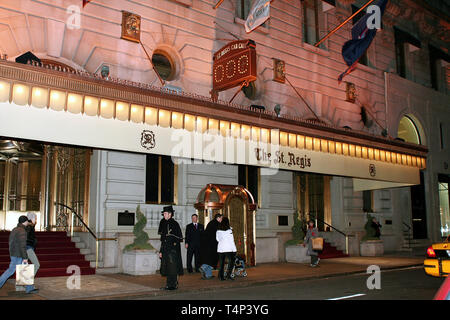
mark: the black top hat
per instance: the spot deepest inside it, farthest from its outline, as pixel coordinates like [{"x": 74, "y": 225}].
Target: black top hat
[{"x": 168, "y": 209}]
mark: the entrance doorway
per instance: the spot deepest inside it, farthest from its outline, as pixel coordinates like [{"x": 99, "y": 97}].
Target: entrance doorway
[
  {"x": 444, "y": 199},
  {"x": 34, "y": 175},
  {"x": 236, "y": 203},
  {"x": 419, "y": 211},
  {"x": 314, "y": 199}
]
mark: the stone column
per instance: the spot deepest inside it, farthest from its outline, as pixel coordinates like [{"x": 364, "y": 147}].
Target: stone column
[{"x": 49, "y": 154}]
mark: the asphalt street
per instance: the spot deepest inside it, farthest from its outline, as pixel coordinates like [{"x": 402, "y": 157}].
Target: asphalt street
[{"x": 403, "y": 284}]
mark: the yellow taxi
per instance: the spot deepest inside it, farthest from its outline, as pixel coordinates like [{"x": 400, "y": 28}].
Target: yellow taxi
[{"x": 437, "y": 263}]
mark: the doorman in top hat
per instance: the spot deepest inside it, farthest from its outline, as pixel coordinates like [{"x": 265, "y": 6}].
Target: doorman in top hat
[
  {"x": 170, "y": 252},
  {"x": 193, "y": 233}
]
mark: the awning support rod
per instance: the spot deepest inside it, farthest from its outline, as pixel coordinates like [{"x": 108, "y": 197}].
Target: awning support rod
[{"x": 153, "y": 66}]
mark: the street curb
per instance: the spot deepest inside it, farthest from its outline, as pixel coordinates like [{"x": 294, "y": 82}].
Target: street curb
[{"x": 256, "y": 283}]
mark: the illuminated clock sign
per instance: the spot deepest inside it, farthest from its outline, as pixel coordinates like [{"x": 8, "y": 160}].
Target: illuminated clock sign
[{"x": 234, "y": 64}]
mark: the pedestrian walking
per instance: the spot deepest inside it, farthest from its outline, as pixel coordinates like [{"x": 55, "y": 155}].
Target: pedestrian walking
[
  {"x": 208, "y": 248},
  {"x": 192, "y": 243},
  {"x": 226, "y": 248},
  {"x": 18, "y": 252},
  {"x": 31, "y": 245},
  {"x": 377, "y": 227},
  {"x": 170, "y": 252},
  {"x": 312, "y": 233}
]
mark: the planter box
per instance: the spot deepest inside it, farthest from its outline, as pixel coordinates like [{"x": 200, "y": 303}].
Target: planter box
[
  {"x": 372, "y": 248},
  {"x": 297, "y": 254},
  {"x": 140, "y": 262}
]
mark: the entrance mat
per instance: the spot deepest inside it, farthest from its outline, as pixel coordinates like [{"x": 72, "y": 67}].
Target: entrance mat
[{"x": 90, "y": 286}]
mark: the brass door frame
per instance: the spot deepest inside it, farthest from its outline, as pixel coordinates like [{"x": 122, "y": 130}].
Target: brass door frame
[{"x": 244, "y": 213}]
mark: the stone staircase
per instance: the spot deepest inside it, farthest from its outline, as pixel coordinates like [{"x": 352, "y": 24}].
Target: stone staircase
[
  {"x": 81, "y": 240},
  {"x": 333, "y": 247},
  {"x": 415, "y": 246},
  {"x": 88, "y": 253}
]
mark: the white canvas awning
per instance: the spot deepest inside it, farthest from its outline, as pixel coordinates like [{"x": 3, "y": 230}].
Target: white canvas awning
[{"x": 39, "y": 105}]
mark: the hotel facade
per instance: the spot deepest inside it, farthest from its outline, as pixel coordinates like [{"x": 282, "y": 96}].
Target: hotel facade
[{"x": 92, "y": 128}]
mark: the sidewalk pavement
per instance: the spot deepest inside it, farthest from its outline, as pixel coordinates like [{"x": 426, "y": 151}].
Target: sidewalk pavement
[{"x": 122, "y": 286}]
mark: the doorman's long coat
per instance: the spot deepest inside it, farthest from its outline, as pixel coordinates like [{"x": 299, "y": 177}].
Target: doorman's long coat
[
  {"x": 171, "y": 237},
  {"x": 208, "y": 244}
]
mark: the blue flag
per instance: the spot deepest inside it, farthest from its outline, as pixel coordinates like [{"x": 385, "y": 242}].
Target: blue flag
[{"x": 362, "y": 36}]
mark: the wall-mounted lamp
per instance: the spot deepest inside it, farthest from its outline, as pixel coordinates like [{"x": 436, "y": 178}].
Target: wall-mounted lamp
[
  {"x": 105, "y": 72},
  {"x": 277, "y": 110}
]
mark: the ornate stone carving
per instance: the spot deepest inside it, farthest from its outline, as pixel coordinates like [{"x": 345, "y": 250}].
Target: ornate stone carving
[{"x": 131, "y": 26}]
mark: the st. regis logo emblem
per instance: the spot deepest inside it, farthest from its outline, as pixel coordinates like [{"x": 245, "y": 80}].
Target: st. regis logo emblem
[{"x": 148, "y": 139}]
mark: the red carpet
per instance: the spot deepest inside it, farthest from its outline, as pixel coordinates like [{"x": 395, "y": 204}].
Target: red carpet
[
  {"x": 55, "y": 252},
  {"x": 330, "y": 252}
]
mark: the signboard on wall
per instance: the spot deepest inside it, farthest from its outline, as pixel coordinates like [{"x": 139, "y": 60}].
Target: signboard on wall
[{"x": 234, "y": 64}]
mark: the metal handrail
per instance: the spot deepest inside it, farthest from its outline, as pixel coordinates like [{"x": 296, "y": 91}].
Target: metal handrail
[
  {"x": 336, "y": 229},
  {"x": 339, "y": 231},
  {"x": 97, "y": 239},
  {"x": 79, "y": 218},
  {"x": 407, "y": 225},
  {"x": 409, "y": 233}
]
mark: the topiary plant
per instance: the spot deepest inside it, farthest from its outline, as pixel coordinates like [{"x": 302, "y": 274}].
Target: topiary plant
[
  {"x": 298, "y": 232},
  {"x": 370, "y": 231},
  {"x": 141, "y": 240}
]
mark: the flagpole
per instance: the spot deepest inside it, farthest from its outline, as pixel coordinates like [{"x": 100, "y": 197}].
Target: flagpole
[
  {"x": 342, "y": 24},
  {"x": 217, "y": 4},
  {"x": 224, "y": 30}
]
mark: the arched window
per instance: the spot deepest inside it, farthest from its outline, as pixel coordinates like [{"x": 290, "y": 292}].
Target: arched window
[
  {"x": 408, "y": 131},
  {"x": 164, "y": 64}
]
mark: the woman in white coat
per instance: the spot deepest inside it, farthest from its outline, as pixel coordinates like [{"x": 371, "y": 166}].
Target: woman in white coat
[{"x": 226, "y": 248}]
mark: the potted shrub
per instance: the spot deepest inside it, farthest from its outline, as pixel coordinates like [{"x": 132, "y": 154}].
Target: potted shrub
[
  {"x": 295, "y": 252},
  {"x": 371, "y": 244},
  {"x": 140, "y": 257}
]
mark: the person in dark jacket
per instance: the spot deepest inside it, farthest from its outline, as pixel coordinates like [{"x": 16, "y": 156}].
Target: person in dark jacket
[
  {"x": 312, "y": 233},
  {"x": 377, "y": 227},
  {"x": 170, "y": 252},
  {"x": 17, "y": 252},
  {"x": 31, "y": 245},
  {"x": 208, "y": 248},
  {"x": 193, "y": 233}
]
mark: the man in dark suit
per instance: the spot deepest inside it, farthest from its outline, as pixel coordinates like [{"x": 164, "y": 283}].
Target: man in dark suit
[{"x": 193, "y": 232}]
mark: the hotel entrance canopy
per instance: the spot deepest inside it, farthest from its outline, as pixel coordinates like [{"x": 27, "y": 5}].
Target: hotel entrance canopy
[{"x": 77, "y": 108}]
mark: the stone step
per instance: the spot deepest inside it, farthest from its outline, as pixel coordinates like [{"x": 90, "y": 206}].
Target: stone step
[
  {"x": 90, "y": 257},
  {"x": 85, "y": 251},
  {"x": 107, "y": 270},
  {"x": 75, "y": 239},
  {"x": 92, "y": 264}
]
